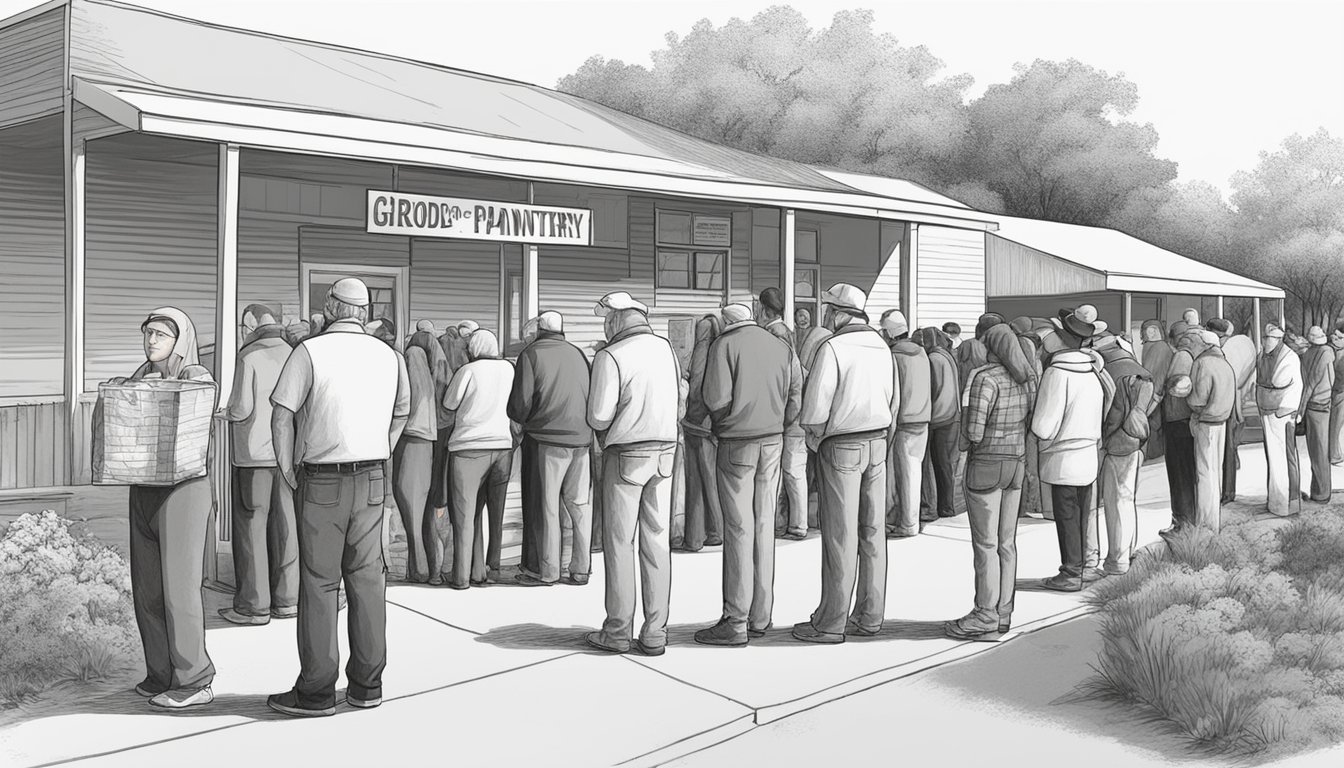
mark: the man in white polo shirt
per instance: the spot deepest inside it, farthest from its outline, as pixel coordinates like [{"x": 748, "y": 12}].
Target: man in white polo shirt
[
  {"x": 633, "y": 406},
  {"x": 340, "y": 405}
]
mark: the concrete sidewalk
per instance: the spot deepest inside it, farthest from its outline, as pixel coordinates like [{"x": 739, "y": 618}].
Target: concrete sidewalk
[{"x": 501, "y": 674}]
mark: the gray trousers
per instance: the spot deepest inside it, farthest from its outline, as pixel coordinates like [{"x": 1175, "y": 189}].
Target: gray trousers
[
  {"x": 265, "y": 542},
  {"x": 341, "y": 538},
  {"x": 412, "y": 476},
  {"x": 168, "y": 529},
  {"x": 478, "y": 482},
  {"x": 1318, "y": 452},
  {"x": 793, "y": 467},
  {"x": 637, "y": 518},
  {"x": 555, "y": 479},
  {"x": 905, "y": 476},
  {"x": 852, "y": 482},
  {"x": 704, "y": 515},
  {"x": 749, "y": 492},
  {"x": 993, "y": 492}
]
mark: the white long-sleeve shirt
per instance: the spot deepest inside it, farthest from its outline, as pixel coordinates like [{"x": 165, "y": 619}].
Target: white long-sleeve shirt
[
  {"x": 853, "y": 386},
  {"x": 635, "y": 390}
]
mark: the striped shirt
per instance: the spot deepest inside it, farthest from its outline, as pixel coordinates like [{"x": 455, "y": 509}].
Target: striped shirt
[{"x": 994, "y": 422}]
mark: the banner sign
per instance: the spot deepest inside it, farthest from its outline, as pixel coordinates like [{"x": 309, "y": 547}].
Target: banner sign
[{"x": 399, "y": 213}]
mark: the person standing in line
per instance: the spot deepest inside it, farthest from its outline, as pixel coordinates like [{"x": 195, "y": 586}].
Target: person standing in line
[
  {"x": 940, "y": 458},
  {"x": 1067, "y": 422},
  {"x": 636, "y": 378},
  {"x": 1156, "y": 359},
  {"x": 1124, "y": 431},
  {"x": 265, "y": 543},
  {"x": 550, "y": 400},
  {"x": 340, "y": 405},
  {"x": 413, "y": 458},
  {"x": 850, "y": 402},
  {"x": 793, "y": 506},
  {"x": 1191, "y": 317},
  {"x": 1213, "y": 393},
  {"x": 704, "y": 518},
  {"x": 1240, "y": 353},
  {"x": 480, "y": 459},
  {"x": 1337, "y": 398},
  {"x": 1180, "y": 445},
  {"x": 1278, "y": 392},
  {"x": 910, "y": 438},
  {"x": 993, "y": 429},
  {"x": 753, "y": 387},
  {"x": 1318, "y": 385},
  {"x": 971, "y": 354},
  {"x": 437, "y": 529},
  {"x": 953, "y": 332},
  {"x": 1030, "y": 504}
]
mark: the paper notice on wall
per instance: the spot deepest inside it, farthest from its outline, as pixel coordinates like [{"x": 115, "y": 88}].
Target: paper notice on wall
[{"x": 681, "y": 332}]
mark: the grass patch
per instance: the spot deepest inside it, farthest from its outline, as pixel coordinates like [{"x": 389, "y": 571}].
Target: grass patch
[
  {"x": 1235, "y": 640},
  {"x": 66, "y": 614}
]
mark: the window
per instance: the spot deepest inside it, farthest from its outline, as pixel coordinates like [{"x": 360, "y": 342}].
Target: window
[
  {"x": 674, "y": 269},
  {"x": 709, "y": 271},
  {"x": 805, "y": 245},
  {"x": 679, "y": 264},
  {"x": 674, "y": 228}
]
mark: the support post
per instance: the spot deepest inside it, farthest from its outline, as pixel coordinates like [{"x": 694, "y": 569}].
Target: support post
[
  {"x": 1220, "y": 307},
  {"x": 910, "y": 279},
  {"x": 788, "y": 252},
  {"x": 76, "y": 205},
  {"x": 218, "y": 561},
  {"x": 1257, "y": 327},
  {"x": 531, "y": 285},
  {"x": 1283, "y": 315},
  {"x": 1127, "y": 317}
]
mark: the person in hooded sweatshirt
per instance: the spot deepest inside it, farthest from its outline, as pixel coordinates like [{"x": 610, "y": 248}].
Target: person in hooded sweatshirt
[
  {"x": 971, "y": 353},
  {"x": 993, "y": 429},
  {"x": 910, "y": 440},
  {"x": 1180, "y": 446},
  {"x": 1124, "y": 431},
  {"x": 793, "y": 466},
  {"x": 1213, "y": 394},
  {"x": 1156, "y": 359},
  {"x": 413, "y": 458},
  {"x": 1318, "y": 384},
  {"x": 940, "y": 459},
  {"x": 1067, "y": 422},
  {"x": 169, "y": 525}
]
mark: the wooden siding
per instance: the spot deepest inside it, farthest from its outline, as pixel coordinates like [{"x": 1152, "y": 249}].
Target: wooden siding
[
  {"x": 1012, "y": 269},
  {"x": 352, "y": 246},
  {"x": 571, "y": 280},
  {"x": 268, "y": 263},
  {"x": 765, "y": 251},
  {"x": 455, "y": 280},
  {"x": 32, "y": 65},
  {"x": 611, "y": 210},
  {"x": 32, "y": 250},
  {"x": 150, "y": 242},
  {"x": 430, "y": 181},
  {"x": 951, "y": 279},
  {"x": 32, "y": 444}
]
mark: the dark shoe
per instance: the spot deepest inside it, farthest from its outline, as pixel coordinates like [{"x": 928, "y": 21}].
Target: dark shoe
[
  {"x": 902, "y": 534},
  {"x": 291, "y": 612},
  {"x": 952, "y": 513},
  {"x": 795, "y": 535},
  {"x": 649, "y": 650},
  {"x": 853, "y": 628},
  {"x": 721, "y": 634},
  {"x": 966, "y": 628},
  {"x": 1004, "y": 626},
  {"x": 455, "y": 585},
  {"x": 233, "y": 616},
  {"x": 436, "y": 580},
  {"x": 575, "y": 579},
  {"x": 807, "y": 633},
  {"x": 479, "y": 582},
  {"x": 528, "y": 580},
  {"x": 358, "y": 703},
  {"x": 1062, "y": 583},
  {"x": 928, "y": 518},
  {"x": 287, "y": 703},
  {"x": 754, "y": 633},
  {"x": 144, "y": 688},
  {"x": 714, "y": 541},
  {"x": 596, "y": 640},
  {"x": 182, "y": 698},
  {"x": 685, "y": 548}
]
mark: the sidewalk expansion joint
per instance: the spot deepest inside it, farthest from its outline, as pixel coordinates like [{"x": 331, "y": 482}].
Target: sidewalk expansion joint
[
  {"x": 674, "y": 678},
  {"x": 434, "y": 619}
]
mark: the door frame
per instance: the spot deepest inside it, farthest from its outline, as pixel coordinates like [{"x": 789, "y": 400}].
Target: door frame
[{"x": 401, "y": 287}]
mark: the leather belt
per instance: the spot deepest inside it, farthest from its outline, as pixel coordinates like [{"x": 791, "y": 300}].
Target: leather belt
[{"x": 346, "y": 468}]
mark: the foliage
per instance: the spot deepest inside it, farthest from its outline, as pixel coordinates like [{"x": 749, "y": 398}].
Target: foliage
[
  {"x": 1235, "y": 639},
  {"x": 65, "y": 608}
]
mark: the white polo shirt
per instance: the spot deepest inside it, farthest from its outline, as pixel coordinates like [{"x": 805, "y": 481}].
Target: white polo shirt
[{"x": 345, "y": 387}]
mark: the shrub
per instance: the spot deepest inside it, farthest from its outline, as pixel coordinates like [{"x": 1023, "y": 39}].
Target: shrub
[
  {"x": 1236, "y": 639},
  {"x": 65, "y": 608}
]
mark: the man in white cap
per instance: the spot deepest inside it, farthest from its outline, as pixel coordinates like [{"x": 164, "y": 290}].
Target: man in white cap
[
  {"x": 1318, "y": 383},
  {"x": 850, "y": 402},
  {"x": 753, "y": 389},
  {"x": 550, "y": 400},
  {"x": 635, "y": 381},
  {"x": 1213, "y": 395},
  {"x": 910, "y": 437},
  {"x": 1278, "y": 393},
  {"x": 341, "y": 403}
]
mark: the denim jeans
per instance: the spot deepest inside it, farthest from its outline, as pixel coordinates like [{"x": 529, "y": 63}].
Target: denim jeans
[
  {"x": 993, "y": 492},
  {"x": 852, "y": 475},
  {"x": 748, "y": 493}
]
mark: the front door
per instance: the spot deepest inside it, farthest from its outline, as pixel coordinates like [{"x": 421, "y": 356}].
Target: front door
[{"x": 387, "y": 292}]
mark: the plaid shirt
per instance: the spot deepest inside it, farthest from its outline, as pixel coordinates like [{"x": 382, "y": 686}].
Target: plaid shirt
[{"x": 994, "y": 422}]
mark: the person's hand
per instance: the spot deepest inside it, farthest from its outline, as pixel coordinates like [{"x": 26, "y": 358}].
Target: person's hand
[{"x": 291, "y": 478}]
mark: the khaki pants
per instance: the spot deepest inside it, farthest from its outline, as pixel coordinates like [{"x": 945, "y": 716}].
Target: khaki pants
[
  {"x": 637, "y": 517},
  {"x": 1282, "y": 460},
  {"x": 555, "y": 479},
  {"x": 904, "y": 477},
  {"x": 852, "y": 480},
  {"x": 1119, "y": 484},
  {"x": 748, "y": 493},
  {"x": 1210, "y": 446}
]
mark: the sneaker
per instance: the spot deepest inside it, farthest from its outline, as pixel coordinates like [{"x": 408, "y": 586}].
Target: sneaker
[
  {"x": 181, "y": 698},
  {"x": 479, "y": 582},
  {"x": 1004, "y": 626},
  {"x": 144, "y": 688},
  {"x": 287, "y": 703},
  {"x": 358, "y": 703},
  {"x": 528, "y": 580},
  {"x": 722, "y": 634},
  {"x": 599, "y": 641},
  {"x": 755, "y": 633},
  {"x": 649, "y": 650},
  {"x": 1061, "y": 583},
  {"x": 853, "y": 628},
  {"x": 292, "y": 612},
  {"x": 1115, "y": 570},
  {"x": 233, "y": 616},
  {"x": 807, "y": 633},
  {"x": 574, "y": 579}
]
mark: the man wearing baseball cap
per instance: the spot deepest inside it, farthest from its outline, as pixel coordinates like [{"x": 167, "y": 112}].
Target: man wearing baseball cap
[
  {"x": 341, "y": 403},
  {"x": 850, "y": 402},
  {"x": 635, "y": 384},
  {"x": 1278, "y": 393}
]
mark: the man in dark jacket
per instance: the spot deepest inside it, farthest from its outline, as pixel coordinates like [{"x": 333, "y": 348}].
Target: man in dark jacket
[
  {"x": 910, "y": 439},
  {"x": 793, "y": 465},
  {"x": 1213, "y": 395},
  {"x": 1318, "y": 383},
  {"x": 940, "y": 459},
  {"x": 1180, "y": 448},
  {"x": 1124, "y": 431},
  {"x": 550, "y": 400},
  {"x": 753, "y": 388}
]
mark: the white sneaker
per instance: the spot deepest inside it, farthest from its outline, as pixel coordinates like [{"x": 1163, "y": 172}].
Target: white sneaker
[{"x": 183, "y": 698}]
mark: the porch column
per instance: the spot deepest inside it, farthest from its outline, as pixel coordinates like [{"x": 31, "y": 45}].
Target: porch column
[
  {"x": 531, "y": 287},
  {"x": 1127, "y": 314},
  {"x": 1283, "y": 315},
  {"x": 910, "y": 279},
  {"x": 1257, "y": 327},
  {"x": 1220, "y": 307},
  {"x": 218, "y": 556},
  {"x": 788, "y": 251},
  {"x": 76, "y": 200}
]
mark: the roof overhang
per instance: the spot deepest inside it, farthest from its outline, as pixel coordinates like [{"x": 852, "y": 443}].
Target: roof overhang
[
  {"x": 266, "y": 126},
  {"x": 1150, "y": 284}
]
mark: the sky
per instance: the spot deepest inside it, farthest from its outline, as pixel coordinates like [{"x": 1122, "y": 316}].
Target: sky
[{"x": 1221, "y": 81}]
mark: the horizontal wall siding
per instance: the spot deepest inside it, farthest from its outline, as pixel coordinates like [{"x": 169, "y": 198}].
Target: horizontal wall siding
[
  {"x": 765, "y": 249},
  {"x": 150, "y": 242},
  {"x": 352, "y": 246},
  {"x": 32, "y": 252},
  {"x": 432, "y": 181},
  {"x": 951, "y": 277},
  {"x": 610, "y": 208},
  {"x": 268, "y": 263},
  {"x": 31, "y": 67},
  {"x": 571, "y": 280},
  {"x": 32, "y": 445},
  {"x": 1012, "y": 269},
  {"x": 455, "y": 280}
]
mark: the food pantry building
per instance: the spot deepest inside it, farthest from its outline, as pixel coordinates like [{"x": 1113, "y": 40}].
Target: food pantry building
[{"x": 150, "y": 160}]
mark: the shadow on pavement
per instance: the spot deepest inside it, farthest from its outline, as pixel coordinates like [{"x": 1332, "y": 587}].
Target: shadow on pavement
[{"x": 539, "y": 637}]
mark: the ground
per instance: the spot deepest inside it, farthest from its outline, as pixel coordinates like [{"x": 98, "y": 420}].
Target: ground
[{"x": 476, "y": 670}]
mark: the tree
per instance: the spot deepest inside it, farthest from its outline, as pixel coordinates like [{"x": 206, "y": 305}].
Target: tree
[
  {"x": 1049, "y": 145},
  {"x": 843, "y": 96},
  {"x": 1291, "y": 215}
]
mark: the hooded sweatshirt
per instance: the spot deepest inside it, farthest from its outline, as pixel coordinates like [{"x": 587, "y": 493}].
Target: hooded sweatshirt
[
  {"x": 945, "y": 408},
  {"x": 1318, "y": 378},
  {"x": 1067, "y": 421},
  {"x": 1125, "y": 428},
  {"x": 260, "y": 361},
  {"x": 1213, "y": 387},
  {"x": 912, "y": 368}
]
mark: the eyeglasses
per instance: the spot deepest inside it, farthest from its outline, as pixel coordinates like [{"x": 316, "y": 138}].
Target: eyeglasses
[{"x": 155, "y": 335}]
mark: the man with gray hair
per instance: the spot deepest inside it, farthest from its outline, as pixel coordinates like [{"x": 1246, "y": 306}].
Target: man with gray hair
[
  {"x": 549, "y": 399},
  {"x": 1213, "y": 392},
  {"x": 340, "y": 405},
  {"x": 635, "y": 379},
  {"x": 910, "y": 437}
]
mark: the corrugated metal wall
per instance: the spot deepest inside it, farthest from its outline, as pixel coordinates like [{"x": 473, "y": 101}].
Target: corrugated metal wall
[
  {"x": 32, "y": 445},
  {"x": 31, "y": 67},
  {"x": 1013, "y": 269},
  {"x": 455, "y": 280},
  {"x": 951, "y": 281}
]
